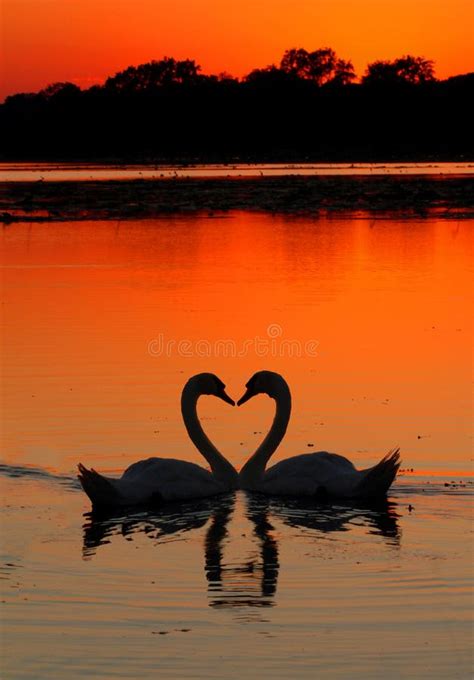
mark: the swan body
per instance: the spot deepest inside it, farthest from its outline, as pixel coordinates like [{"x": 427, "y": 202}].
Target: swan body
[
  {"x": 324, "y": 473},
  {"x": 150, "y": 481},
  {"x": 167, "y": 479},
  {"x": 309, "y": 474}
]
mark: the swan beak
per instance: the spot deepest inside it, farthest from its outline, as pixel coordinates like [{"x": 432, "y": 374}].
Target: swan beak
[
  {"x": 225, "y": 397},
  {"x": 248, "y": 395}
]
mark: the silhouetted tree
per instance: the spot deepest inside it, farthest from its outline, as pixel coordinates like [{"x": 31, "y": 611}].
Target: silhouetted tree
[
  {"x": 60, "y": 90},
  {"x": 270, "y": 77},
  {"x": 464, "y": 80},
  {"x": 20, "y": 99},
  {"x": 154, "y": 74},
  {"x": 406, "y": 69},
  {"x": 296, "y": 62},
  {"x": 343, "y": 72},
  {"x": 321, "y": 66}
]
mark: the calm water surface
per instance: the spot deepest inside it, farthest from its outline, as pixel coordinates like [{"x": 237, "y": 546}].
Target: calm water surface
[{"x": 368, "y": 321}]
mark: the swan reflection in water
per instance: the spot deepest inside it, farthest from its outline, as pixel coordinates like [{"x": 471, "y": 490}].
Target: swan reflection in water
[
  {"x": 250, "y": 582},
  {"x": 156, "y": 523},
  {"x": 379, "y": 517}
]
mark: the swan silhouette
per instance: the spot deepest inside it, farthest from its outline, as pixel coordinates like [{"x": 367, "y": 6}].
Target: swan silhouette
[
  {"x": 310, "y": 474},
  {"x": 168, "y": 479}
]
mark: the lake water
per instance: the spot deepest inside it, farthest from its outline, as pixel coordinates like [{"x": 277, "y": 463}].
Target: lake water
[{"x": 368, "y": 320}]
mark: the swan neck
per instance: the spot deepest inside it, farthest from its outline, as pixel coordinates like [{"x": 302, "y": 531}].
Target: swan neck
[
  {"x": 222, "y": 470},
  {"x": 253, "y": 471}
]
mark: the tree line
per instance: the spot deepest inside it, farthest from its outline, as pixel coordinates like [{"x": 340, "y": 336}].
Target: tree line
[{"x": 308, "y": 107}]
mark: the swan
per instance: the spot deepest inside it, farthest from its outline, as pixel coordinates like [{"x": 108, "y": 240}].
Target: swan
[
  {"x": 168, "y": 479},
  {"x": 310, "y": 474}
]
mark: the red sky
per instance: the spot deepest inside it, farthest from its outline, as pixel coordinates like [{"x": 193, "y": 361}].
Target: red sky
[{"x": 84, "y": 41}]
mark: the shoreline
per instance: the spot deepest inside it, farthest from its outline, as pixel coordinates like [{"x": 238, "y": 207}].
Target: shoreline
[{"x": 444, "y": 196}]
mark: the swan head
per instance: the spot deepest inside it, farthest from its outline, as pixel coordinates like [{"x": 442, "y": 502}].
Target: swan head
[
  {"x": 208, "y": 383},
  {"x": 263, "y": 382}
]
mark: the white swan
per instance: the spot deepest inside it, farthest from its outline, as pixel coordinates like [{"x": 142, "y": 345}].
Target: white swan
[
  {"x": 309, "y": 474},
  {"x": 168, "y": 479}
]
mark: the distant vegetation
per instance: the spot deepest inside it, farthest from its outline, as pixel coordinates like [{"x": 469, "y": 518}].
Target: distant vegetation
[{"x": 309, "y": 107}]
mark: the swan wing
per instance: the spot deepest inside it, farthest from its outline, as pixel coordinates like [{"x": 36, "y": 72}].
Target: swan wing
[
  {"x": 170, "y": 479},
  {"x": 142, "y": 469},
  {"x": 321, "y": 464},
  {"x": 311, "y": 473},
  {"x": 150, "y": 480}
]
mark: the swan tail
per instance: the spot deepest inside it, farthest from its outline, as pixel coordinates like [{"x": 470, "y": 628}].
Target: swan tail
[
  {"x": 100, "y": 490},
  {"x": 378, "y": 479}
]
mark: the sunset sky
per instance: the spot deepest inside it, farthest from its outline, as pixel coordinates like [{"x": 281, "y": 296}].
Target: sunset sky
[{"x": 84, "y": 41}]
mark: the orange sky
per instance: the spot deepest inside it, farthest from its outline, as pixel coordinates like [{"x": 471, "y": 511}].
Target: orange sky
[{"x": 86, "y": 40}]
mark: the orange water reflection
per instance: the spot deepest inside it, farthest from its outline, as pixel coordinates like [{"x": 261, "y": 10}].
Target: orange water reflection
[{"x": 95, "y": 311}]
